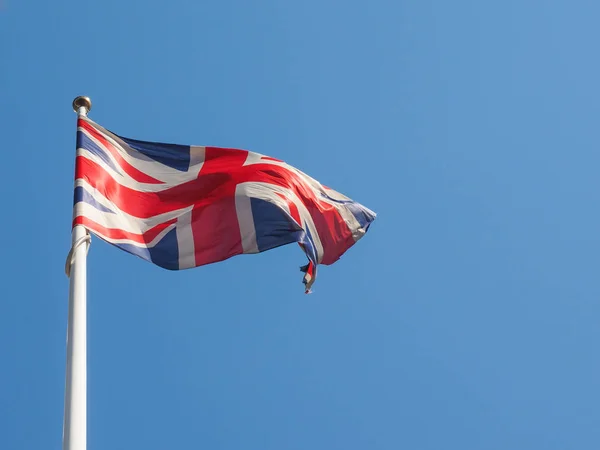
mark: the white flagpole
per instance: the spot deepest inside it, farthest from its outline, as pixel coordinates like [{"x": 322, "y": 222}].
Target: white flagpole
[{"x": 75, "y": 419}]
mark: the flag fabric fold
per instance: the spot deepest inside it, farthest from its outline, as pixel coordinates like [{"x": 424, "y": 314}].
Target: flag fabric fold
[{"x": 181, "y": 206}]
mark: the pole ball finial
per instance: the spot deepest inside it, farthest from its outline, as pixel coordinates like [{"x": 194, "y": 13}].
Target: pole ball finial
[{"x": 82, "y": 101}]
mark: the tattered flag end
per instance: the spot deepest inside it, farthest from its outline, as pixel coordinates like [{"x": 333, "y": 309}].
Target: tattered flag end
[{"x": 309, "y": 276}]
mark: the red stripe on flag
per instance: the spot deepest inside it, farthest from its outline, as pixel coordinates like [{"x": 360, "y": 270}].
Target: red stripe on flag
[{"x": 215, "y": 223}]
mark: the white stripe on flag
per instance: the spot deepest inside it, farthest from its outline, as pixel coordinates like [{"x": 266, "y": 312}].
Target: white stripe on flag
[
  {"x": 243, "y": 208},
  {"x": 185, "y": 241}
]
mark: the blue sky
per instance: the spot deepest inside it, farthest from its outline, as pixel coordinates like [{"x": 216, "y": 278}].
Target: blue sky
[{"x": 467, "y": 318}]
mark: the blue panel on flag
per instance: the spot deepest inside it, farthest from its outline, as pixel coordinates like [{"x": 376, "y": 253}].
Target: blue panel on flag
[
  {"x": 364, "y": 217},
  {"x": 164, "y": 254},
  {"x": 172, "y": 155},
  {"x": 81, "y": 195},
  {"x": 273, "y": 227}
]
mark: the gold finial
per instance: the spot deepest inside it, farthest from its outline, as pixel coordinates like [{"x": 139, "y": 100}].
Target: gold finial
[{"x": 84, "y": 102}]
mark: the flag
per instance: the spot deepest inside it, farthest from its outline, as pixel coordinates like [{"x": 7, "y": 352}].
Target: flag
[{"x": 181, "y": 206}]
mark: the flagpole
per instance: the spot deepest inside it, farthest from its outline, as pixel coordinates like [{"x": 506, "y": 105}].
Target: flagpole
[{"x": 75, "y": 418}]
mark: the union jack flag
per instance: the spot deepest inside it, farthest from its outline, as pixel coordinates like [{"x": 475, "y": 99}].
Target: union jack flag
[{"x": 181, "y": 206}]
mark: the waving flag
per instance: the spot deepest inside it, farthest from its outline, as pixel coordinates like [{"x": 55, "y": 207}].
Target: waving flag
[{"x": 181, "y": 206}]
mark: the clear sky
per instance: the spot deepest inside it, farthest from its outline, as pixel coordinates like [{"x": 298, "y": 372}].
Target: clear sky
[{"x": 466, "y": 319}]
